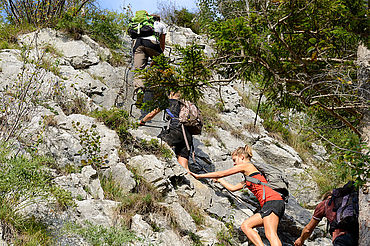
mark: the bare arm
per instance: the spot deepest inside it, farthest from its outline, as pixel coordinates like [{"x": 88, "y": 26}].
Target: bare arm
[
  {"x": 220, "y": 174},
  {"x": 229, "y": 186},
  {"x": 150, "y": 116},
  {"x": 306, "y": 232}
]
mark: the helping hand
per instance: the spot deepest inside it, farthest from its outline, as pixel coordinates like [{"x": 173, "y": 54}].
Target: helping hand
[
  {"x": 298, "y": 242},
  {"x": 195, "y": 175}
]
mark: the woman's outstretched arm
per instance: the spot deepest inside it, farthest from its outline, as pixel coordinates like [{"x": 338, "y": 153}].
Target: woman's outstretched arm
[
  {"x": 220, "y": 174},
  {"x": 229, "y": 186}
]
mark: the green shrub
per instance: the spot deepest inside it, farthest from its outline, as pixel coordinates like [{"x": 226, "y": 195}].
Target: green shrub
[
  {"x": 23, "y": 182},
  {"x": 104, "y": 26},
  {"x": 153, "y": 146},
  {"x": 107, "y": 26},
  {"x": 185, "y": 18},
  {"x": 99, "y": 235},
  {"x": 225, "y": 236},
  {"x": 90, "y": 142},
  {"x": 73, "y": 24},
  {"x": 23, "y": 179},
  {"x": 211, "y": 119},
  {"x": 119, "y": 59},
  {"x": 118, "y": 120},
  {"x": 112, "y": 190},
  {"x": 9, "y": 34},
  {"x": 193, "y": 210}
]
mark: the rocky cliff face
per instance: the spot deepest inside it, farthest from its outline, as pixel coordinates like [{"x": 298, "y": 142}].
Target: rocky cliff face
[{"x": 85, "y": 81}]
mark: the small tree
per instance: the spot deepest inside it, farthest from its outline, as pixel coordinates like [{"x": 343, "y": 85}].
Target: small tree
[
  {"x": 305, "y": 53},
  {"x": 189, "y": 76},
  {"x": 41, "y": 12}
]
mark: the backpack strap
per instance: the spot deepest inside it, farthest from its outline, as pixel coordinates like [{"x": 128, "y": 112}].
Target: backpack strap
[
  {"x": 258, "y": 182},
  {"x": 326, "y": 210},
  {"x": 185, "y": 138},
  {"x": 190, "y": 148},
  {"x": 170, "y": 114}
]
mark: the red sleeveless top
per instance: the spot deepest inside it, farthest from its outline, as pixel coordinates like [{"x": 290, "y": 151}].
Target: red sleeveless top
[{"x": 257, "y": 190}]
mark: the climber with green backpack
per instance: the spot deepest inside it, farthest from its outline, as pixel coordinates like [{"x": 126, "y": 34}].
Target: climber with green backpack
[
  {"x": 148, "y": 35},
  {"x": 269, "y": 196}
]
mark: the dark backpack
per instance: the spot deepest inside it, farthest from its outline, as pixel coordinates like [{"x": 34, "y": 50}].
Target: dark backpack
[
  {"x": 276, "y": 179},
  {"x": 141, "y": 25},
  {"x": 346, "y": 207}
]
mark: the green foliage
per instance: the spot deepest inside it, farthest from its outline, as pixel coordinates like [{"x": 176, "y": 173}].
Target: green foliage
[
  {"x": 301, "y": 58},
  {"x": 23, "y": 182},
  {"x": 30, "y": 231},
  {"x": 192, "y": 209},
  {"x": 119, "y": 58},
  {"x": 90, "y": 142},
  {"x": 143, "y": 200},
  {"x": 185, "y": 18},
  {"x": 102, "y": 25},
  {"x": 75, "y": 17},
  {"x": 225, "y": 237},
  {"x": 107, "y": 26},
  {"x": 118, "y": 120},
  {"x": 52, "y": 66},
  {"x": 153, "y": 146},
  {"x": 9, "y": 34},
  {"x": 52, "y": 50},
  {"x": 211, "y": 120},
  {"x": 273, "y": 120},
  {"x": 41, "y": 12},
  {"x": 112, "y": 190},
  {"x": 304, "y": 55},
  {"x": 180, "y": 16},
  {"x": 189, "y": 77},
  {"x": 73, "y": 24},
  {"x": 99, "y": 235},
  {"x": 195, "y": 238},
  {"x": 348, "y": 159}
]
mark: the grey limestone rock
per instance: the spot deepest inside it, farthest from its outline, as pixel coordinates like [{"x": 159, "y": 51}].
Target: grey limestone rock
[{"x": 99, "y": 212}]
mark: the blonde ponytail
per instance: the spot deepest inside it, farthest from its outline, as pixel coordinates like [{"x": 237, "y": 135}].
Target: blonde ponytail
[{"x": 246, "y": 151}]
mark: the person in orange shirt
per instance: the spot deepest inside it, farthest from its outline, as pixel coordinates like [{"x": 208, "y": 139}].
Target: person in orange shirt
[{"x": 272, "y": 204}]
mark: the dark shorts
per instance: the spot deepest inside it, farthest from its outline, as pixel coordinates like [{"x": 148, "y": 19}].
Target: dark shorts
[
  {"x": 175, "y": 139},
  {"x": 148, "y": 44},
  {"x": 345, "y": 240},
  {"x": 276, "y": 206}
]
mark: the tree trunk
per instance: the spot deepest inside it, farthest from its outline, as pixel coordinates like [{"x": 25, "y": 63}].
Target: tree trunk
[{"x": 363, "y": 75}]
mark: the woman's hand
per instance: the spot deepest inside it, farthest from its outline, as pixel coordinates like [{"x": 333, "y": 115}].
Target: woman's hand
[{"x": 195, "y": 175}]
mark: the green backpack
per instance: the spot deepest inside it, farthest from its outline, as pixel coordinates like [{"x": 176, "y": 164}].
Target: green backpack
[{"x": 141, "y": 25}]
